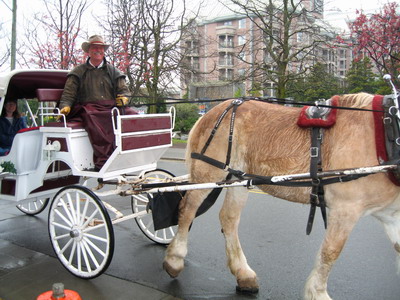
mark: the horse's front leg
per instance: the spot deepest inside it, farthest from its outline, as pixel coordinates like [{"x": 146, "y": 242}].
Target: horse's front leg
[
  {"x": 177, "y": 250},
  {"x": 229, "y": 217},
  {"x": 341, "y": 221}
]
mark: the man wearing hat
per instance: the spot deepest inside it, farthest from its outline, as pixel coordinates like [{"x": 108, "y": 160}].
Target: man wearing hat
[
  {"x": 95, "y": 80},
  {"x": 92, "y": 89},
  {"x": 10, "y": 123}
]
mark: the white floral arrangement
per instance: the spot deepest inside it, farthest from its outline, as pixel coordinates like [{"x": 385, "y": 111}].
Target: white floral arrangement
[{"x": 7, "y": 166}]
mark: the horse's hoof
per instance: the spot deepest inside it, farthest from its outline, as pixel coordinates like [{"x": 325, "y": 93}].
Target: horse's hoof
[
  {"x": 246, "y": 290},
  {"x": 173, "y": 273},
  {"x": 247, "y": 286}
]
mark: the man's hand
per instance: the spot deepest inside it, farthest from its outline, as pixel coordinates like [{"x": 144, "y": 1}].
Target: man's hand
[
  {"x": 65, "y": 111},
  {"x": 121, "y": 100}
]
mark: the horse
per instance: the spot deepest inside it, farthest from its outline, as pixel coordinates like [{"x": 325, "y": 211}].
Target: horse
[{"x": 266, "y": 140}]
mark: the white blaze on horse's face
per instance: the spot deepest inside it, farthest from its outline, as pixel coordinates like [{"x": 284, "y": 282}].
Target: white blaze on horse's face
[{"x": 278, "y": 146}]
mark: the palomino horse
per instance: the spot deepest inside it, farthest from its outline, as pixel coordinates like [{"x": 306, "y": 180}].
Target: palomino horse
[{"x": 267, "y": 141}]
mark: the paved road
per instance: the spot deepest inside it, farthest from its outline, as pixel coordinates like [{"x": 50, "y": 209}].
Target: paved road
[{"x": 273, "y": 236}]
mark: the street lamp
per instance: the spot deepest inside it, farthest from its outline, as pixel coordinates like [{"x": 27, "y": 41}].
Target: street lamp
[{"x": 13, "y": 32}]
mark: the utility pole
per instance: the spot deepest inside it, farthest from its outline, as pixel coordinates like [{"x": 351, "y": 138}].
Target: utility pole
[{"x": 14, "y": 35}]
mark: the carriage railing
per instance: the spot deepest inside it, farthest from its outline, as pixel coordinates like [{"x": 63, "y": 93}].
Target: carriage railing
[
  {"x": 138, "y": 131},
  {"x": 53, "y": 113}
]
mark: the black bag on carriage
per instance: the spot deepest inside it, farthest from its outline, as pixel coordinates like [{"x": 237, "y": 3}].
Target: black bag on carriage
[{"x": 165, "y": 207}]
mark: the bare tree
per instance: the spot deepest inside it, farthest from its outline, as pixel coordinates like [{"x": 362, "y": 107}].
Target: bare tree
[
  {"x": 5, "y": 50},
  {"x": 50, "y": 39},
  {"x": 285, "y": 38},
  {"x": 146, "y": 37}
]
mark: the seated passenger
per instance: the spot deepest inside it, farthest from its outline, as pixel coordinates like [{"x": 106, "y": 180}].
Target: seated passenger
[{"x": 10, "y": 123}]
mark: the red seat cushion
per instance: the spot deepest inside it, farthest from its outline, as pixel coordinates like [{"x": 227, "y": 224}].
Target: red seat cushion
[{"x": 73, "y": 125}]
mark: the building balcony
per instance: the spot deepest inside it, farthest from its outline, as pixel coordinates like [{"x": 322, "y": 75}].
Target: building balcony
[
  {"x": 226, "y": 29},
  {"x": 193, "y": 53},
  {"x": 226, "y": 47},
  {"x": 223, "y": 64}
]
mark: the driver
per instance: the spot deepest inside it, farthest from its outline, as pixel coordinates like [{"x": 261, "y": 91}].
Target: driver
[{"x": 92, "y": 89}]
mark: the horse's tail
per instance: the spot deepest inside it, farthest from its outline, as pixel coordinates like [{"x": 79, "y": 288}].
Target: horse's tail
[{"x": 188, "y": 146}]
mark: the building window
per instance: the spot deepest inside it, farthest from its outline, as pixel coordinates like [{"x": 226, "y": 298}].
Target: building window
[
  {"x": 222, "y": 75},
  {"x": 242, "y": 23},
  {"x": 229, "y": 59},
  {"x": 225, "y": 59},
  {"x": 196, "y": 64},
  {"x": 241, "y": 40},
  {"x": 229, "y": 74},
  {"x": 225, "y": 74},
  {"x": 225, "y": 41},
  {"x": 228, "y": 23},
  {"x": 299, "y": 37}
]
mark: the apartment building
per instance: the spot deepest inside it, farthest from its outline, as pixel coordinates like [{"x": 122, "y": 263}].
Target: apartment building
[{"x": 221, "y": 53}]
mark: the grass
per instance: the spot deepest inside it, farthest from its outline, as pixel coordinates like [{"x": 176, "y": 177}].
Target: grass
[{"x": 178, "y": 141}]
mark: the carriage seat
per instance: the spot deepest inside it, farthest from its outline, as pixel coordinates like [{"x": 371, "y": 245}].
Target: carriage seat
[
  {"x": 49, "y": 95},
  {"x": 54, "y": 95}
]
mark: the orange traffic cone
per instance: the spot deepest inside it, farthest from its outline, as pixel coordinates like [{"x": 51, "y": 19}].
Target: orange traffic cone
[{"x": 58, "y": 293}]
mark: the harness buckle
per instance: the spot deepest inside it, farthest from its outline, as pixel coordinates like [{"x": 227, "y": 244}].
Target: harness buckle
[
  {"x": 237, "y": 101},
  {"x": 314, "y": 152},
  {"x": 387, "y": 120}
]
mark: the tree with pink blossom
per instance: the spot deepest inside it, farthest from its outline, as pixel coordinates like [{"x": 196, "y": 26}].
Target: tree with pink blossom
[{"x": 377, "y": 36}]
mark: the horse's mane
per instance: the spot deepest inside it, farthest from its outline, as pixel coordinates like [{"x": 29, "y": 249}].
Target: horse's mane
[{"x": 356, "y": 100}]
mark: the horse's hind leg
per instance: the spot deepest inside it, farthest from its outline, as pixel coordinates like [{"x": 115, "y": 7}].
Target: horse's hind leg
[
  {"x": 390, "y": 218},
  {"x": 177, "y": 250},
  {"x": 341, "y": 222},
  {"x": 229, "y": 217}
]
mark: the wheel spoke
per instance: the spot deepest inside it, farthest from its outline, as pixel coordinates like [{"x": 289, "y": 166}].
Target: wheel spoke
[
  {"x": 61, "y": 226},
  {"x": 63, "y": 218},
  {"x": 90, "y": 218},
  {"x": 85, "y": 208},
  {"x": 73, "y": 251},
  {"x": 99, "y": 251},
  {"x": 91, "y": 255},
  {"x": 63, "y": 236},
  {"x": 66, "y": 246},
  {"x": 97, "y": 238},
  {"x": 67, "y": 211},
  {"x": 71, "y": 209}
]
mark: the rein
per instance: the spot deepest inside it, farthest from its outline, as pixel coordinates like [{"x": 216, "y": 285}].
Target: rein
[{"x": 261, "y": 99}]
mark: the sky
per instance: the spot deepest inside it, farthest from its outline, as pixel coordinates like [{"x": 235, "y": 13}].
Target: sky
[{"x": 336, "y": 12}]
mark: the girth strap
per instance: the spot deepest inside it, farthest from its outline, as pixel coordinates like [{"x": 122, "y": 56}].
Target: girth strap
[{"x": 317, "y": 189}]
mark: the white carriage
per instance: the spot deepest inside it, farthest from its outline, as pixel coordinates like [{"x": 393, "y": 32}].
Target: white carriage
[{"x": 54, "y": 160}]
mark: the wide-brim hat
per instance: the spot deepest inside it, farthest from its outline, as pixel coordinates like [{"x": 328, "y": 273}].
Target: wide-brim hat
[{"x": 94, "y": 40}]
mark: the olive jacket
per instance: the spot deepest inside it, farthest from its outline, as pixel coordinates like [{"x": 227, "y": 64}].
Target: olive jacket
[{"x": 86, "y": 83}]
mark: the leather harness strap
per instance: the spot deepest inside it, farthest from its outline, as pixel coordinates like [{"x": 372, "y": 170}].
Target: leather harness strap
[
  {"x": 234, "y": 104},
  {"x": 317, "y": 188}
]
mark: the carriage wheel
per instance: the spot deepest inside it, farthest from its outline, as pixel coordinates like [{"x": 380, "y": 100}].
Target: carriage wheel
[
  {"x": 145, "y": 222},
  {"x": 34, "y": 206},
  {"x": 81, "y": 232}
]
